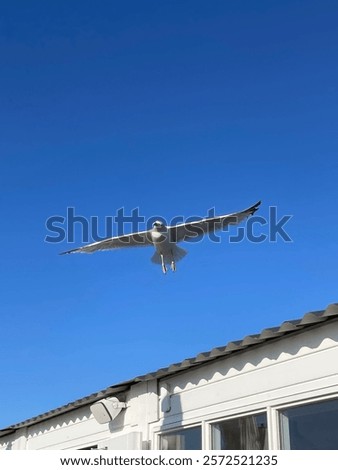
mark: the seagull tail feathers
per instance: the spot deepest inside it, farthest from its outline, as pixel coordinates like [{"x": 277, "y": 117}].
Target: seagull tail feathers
[{"x": 178, "y": 253}]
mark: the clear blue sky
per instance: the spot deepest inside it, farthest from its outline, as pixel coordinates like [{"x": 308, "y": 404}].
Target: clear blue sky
[{"x": 173, "y": 107}]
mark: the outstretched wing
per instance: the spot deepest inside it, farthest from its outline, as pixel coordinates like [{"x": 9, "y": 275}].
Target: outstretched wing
[
  {"x": 124, "y": 241},
  {"x": 198, "y": 228}
]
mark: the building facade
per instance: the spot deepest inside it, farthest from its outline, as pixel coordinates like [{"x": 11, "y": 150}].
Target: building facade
[{"x": 274, "y": 390}]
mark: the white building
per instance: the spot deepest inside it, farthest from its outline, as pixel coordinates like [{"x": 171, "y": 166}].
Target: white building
[{"x": 273, "y": 390}]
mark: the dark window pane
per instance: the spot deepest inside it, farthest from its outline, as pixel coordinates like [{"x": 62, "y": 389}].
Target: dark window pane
[
  {"x": 182, "y": 439},
  {"x": 244, "y": 433},
  {"x": 310, "y": 427}
]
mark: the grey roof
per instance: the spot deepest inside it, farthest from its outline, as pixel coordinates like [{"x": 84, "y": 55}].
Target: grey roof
[{"x": 309, "y": 320}]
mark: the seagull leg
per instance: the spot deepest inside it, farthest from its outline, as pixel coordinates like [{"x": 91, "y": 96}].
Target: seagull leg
[
  {"x": 164, "y": 267},
  {"x": 173, "y": 264}
]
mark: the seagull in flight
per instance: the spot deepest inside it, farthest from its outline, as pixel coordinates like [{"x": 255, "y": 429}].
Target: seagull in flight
[{"x": 165, "y": 238}]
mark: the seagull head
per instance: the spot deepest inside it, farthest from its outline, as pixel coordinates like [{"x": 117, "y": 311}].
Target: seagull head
[{"x": 157, "y": 225}]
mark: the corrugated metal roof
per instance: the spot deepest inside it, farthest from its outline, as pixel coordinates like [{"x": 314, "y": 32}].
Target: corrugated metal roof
[{"x": 309, "y": 320}]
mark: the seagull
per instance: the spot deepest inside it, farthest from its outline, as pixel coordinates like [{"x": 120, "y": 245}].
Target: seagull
[{"x": 165, "y": 238}]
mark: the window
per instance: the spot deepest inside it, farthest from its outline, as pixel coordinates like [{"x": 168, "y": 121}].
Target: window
[
  {"x": 182, "y": 439},
  {"x": 243, "y": 433},
  {"x": 310, "y": 427}
]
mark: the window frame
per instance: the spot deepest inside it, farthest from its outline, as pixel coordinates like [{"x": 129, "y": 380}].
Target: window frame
[
  {"x": 231, "y": 416},
  {"x": 273, "y": 409},
  {"x": 172, "y": 429},
  {"x": 295, "y": 404}
]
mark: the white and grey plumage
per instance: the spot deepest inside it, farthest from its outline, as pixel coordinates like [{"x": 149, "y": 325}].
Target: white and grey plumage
[{"x": 164, "y": 238}]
